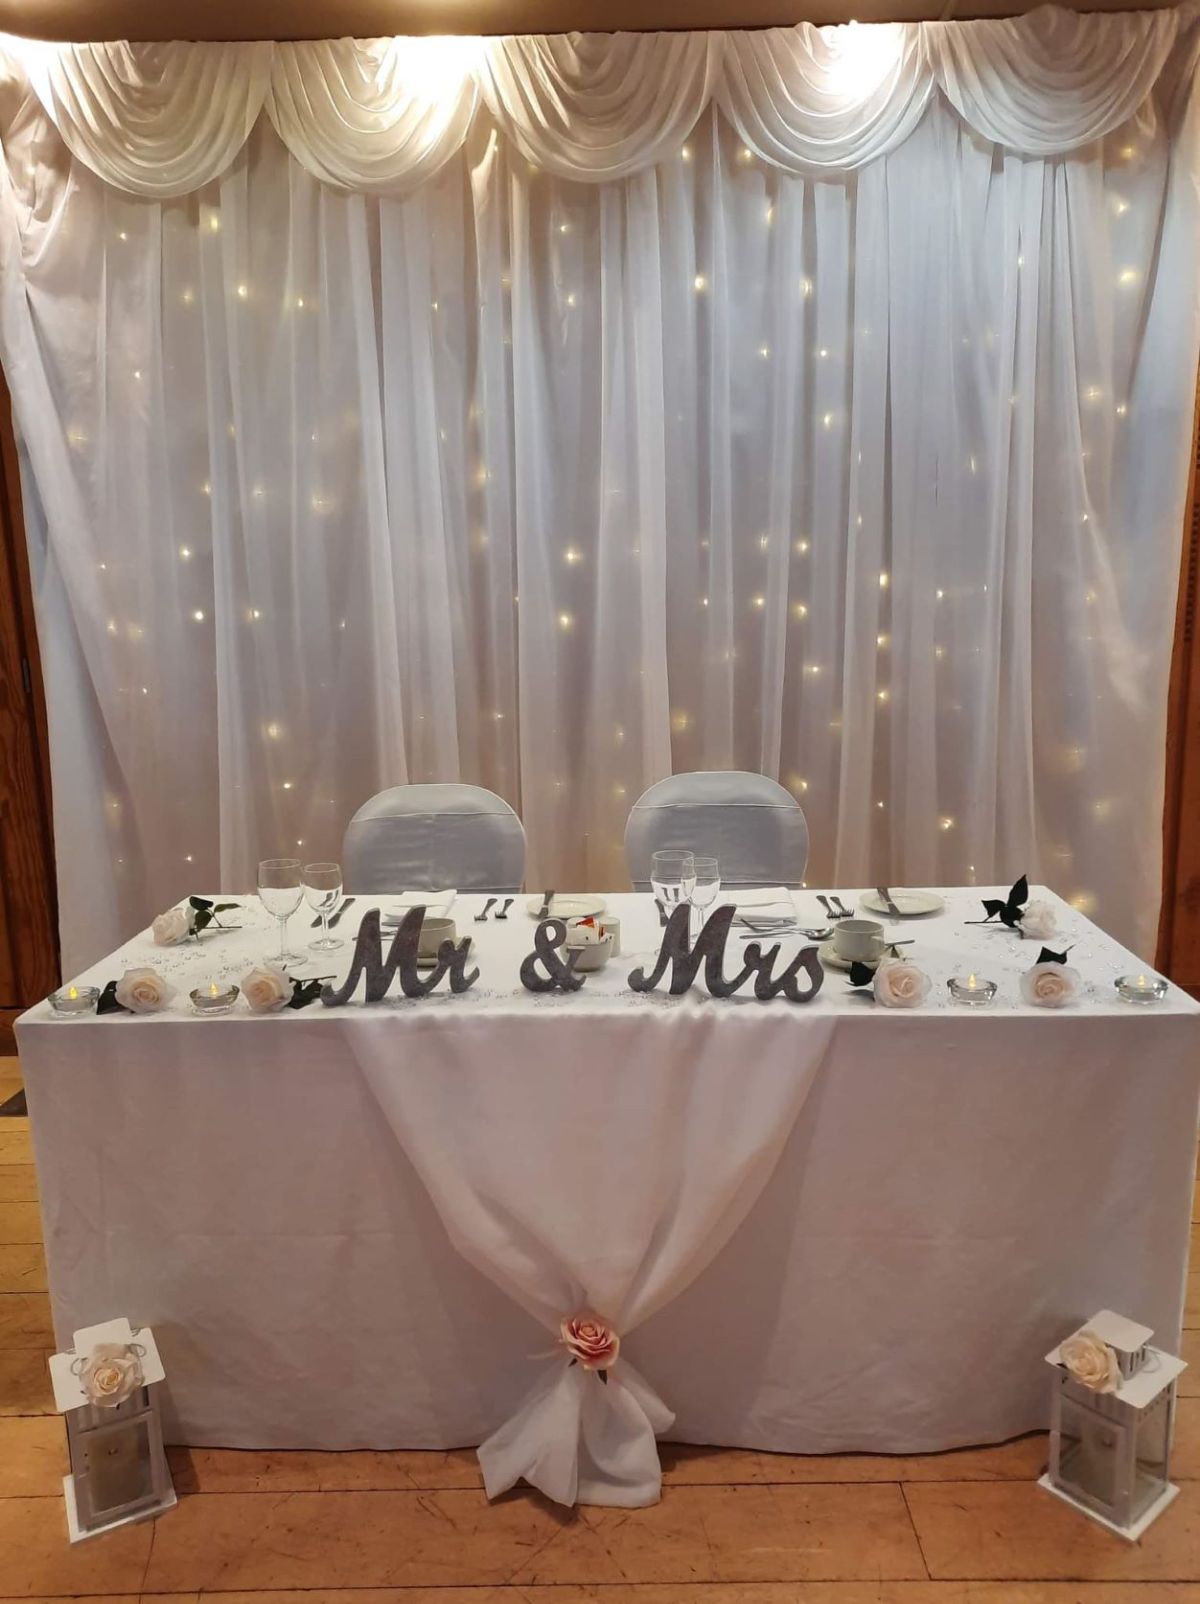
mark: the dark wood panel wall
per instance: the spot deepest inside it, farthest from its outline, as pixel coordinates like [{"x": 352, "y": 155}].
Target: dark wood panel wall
[
  {"x": 28, "y": 917},
  {"x": 1179, "y": 927}
]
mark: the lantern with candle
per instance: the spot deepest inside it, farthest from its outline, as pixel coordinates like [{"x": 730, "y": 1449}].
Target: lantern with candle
[
  {"x": 108, "y": 1387},
  {"x": 1112, "y": 1418}
]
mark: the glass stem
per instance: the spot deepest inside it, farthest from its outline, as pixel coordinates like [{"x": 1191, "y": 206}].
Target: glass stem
[
  {"x": 324, "y": 927},
  {"x": 282, "y": 937}
]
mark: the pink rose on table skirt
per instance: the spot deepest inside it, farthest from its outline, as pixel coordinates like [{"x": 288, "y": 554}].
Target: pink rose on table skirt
[
  {"x": 266, "y": 988},
  {"x": 591, "y": 1340},
  {"x": 899, "y": 984},
  {"x": 1051, "y": 985},
  {"x": 143, "y": 991}
]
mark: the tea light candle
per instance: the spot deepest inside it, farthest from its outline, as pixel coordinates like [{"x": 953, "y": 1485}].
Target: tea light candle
[
  {"x": 1141, "y": 988},
  {"x": 972, "y": 990},
  {"x": 74, "y": 1001},
  {"x": 213, "y": 998}
]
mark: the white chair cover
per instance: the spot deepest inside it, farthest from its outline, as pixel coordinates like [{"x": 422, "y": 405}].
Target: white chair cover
[
  {"x": 424, "y": 837},
  {"x": 749, "y": 823}
]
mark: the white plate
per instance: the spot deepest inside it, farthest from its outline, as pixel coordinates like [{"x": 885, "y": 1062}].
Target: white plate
[
  {"x": 567, "y": 907},
  {"x": 912, "y": 904},
  {"x": 832, "y": 959}
]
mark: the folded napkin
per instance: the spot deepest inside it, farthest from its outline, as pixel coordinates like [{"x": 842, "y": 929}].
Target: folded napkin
[
  {"x": 434, "y": 902},
  {"x": 759, "y": 897}
]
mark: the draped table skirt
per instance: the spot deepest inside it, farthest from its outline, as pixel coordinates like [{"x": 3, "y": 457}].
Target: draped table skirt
[{"x": 817, "y": 1228}]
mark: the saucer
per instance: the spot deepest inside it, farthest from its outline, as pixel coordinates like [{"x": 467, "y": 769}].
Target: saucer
[
  {"x": 832, "y": 959},
  {"x": 567, "y": 907},
  {"x": 912, "y": 904}
]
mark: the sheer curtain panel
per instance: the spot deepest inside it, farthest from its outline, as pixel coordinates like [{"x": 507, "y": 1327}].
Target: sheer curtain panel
[{"x": 554, "y": 413}]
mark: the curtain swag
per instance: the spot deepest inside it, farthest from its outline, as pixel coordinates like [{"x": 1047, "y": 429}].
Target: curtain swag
[{"x": 383, "y": 115}]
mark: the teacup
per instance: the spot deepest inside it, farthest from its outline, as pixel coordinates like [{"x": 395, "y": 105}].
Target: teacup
[
  {"x": 433, "y": 933},
  {"x": 858, "y": 940}
]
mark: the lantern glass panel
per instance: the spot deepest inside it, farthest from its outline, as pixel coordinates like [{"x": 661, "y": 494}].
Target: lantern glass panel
[
  {"x": 117, "y": 1466},
  {"x": 1091, "y": 1456},
  {"x": 1152, "y": 1452}
]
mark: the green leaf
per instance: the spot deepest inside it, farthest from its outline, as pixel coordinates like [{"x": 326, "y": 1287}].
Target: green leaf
[
  {"x": 304, "y": 992},
  {"x": 861, "y": 974},
  {"x": 224, "y": 907},
  {"x": 200, "y": 903},
  {"x": 201, "y": 921},
  {"x": 108, "y": 1003}
]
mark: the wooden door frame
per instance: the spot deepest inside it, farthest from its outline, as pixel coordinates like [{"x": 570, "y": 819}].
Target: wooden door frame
[
  {"x": 34, "y": 922},
  {"x": 1178, "y": 953}
]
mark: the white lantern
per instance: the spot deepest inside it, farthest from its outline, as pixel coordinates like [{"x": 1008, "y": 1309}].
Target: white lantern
[
  {"x": 107, "y": 1388},
  {"x": 1110, "y": 1444}
]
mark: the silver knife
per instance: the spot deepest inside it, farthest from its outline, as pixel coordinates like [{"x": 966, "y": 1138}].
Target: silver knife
[
  {"x": 341, "y": 911},
  {"x": 544, "y": 911},
  {"x": 891, "y": 907}
]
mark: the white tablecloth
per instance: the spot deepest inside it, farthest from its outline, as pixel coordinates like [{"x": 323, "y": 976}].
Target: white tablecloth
[{"x": 820, "y": 1227}]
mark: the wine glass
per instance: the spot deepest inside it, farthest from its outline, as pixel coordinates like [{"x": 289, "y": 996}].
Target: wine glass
[
  {"x": 323, "y": 892},
  {"x": 705, "y": 891},
  {"x": 281, "y": 891},
  {"x": 672, "y": 878}
]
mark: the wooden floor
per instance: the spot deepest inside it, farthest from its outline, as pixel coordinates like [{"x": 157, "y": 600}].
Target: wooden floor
[{"x": 732, "y": 1528}]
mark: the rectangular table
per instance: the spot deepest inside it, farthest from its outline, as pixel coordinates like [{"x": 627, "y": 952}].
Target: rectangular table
[{"x": 824, "y": 1227}]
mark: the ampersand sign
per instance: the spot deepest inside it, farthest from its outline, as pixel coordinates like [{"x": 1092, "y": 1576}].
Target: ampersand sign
[{"x": 560, "y": 975}]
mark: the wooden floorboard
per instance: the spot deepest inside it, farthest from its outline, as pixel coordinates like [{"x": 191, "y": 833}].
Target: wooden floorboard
[{"x": 733, "y": 1526}]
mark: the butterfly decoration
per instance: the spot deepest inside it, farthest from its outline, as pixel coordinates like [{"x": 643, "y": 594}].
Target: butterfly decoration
[
  {"x": 1008, "y": 911},
  {"x": 1048, "y": 957}
]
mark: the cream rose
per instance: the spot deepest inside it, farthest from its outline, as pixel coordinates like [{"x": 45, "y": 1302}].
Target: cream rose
[
  {"x": 1091, "y": 1362},
  {"x": 1050, "y": 985},
  {"x": 1039, "y": 921},
  {"x": 172, "y": 927},
  {"x": 112, "y": 1373},
  {"x": 900, "y": 985},
  {"x": 266, "y": 989},
  {"x": 590, "y": 1340},
  {"x": 143, "y": 991}
]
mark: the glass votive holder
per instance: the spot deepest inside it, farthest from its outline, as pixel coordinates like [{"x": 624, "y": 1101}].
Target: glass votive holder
[
  {"x": 972, "y": 991},
  {"x": 74, "y": 1002},
  {"x": 213, "y": 999},
  {"x": 1141, "y": 988}
]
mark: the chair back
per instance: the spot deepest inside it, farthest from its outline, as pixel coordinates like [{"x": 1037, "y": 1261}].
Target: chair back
[
  {"x": 428, "y": 837},
  {"x": 753, "y": 827}
]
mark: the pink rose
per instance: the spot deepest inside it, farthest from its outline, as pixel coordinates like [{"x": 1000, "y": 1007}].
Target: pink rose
[{"x": 590, "y": 1340}]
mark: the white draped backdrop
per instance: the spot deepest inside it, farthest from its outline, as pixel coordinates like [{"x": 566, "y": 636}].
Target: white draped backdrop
[{"x": 552, "y": 413}]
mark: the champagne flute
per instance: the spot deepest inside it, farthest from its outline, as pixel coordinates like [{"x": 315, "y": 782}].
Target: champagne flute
[
  {"x": 281, "y": 891},
  {"x": 323, "y": 892},
  {"x": 706, "y": 890},
  {"x": 672, "y": 878}
]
